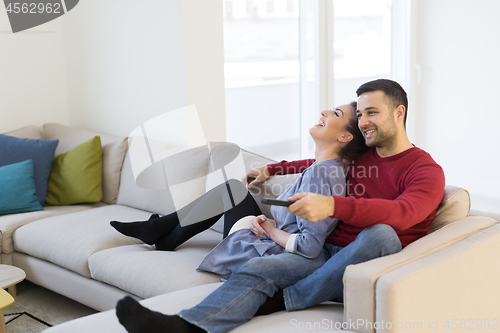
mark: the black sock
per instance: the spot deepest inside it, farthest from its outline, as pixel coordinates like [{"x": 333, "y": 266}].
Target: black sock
[
  {"x": 272, "y": 304},
  {"x": 148, "y": 231},
  {"x": 137, "y": 319}
]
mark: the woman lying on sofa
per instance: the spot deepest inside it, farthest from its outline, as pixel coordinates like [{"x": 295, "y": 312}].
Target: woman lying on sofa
[{"x": 336, "y": 136}]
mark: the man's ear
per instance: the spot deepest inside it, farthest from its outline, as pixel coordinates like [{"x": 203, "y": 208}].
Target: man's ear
[
  {"x": 346, "y": 137},
  {"x": 399, "y": 113}
]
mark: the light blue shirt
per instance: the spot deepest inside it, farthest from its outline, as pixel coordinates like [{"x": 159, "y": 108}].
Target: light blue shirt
[{"x": 307, "y": 238}]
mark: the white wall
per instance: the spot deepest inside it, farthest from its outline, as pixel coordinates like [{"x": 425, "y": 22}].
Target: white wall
[
  {"x": 458, "y": 115},
  {"x": 128, "y": 62},
  {"x": 32, "y": 76},
  {"x": 204, "y": 64},
  {"x": 125, "y": 63}
]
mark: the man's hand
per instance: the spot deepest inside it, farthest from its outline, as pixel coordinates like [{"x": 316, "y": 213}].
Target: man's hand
[
  {"x": 312, "y": 207},
  {"x": 260, "y": 174}
]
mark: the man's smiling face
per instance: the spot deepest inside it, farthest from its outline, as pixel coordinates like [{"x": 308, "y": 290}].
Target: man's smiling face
[{"x": 376, "y": 119}]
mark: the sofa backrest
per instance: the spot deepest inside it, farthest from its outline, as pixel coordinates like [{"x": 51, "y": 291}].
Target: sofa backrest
[
  {"x": 27, "y": 132},
  {"x": 113, "y": 153},
  {"x": 160, "y": 201},
  {"x": 454, "y": 206},
  {"x": 151, "y": 200}
]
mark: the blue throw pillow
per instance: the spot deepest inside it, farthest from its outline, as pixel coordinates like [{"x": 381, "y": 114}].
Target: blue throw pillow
[
  {"x": 17, "y": 189},
  {"x": 15, "y": 150}
]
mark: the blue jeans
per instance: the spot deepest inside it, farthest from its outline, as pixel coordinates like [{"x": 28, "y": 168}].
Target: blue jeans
[{"x": 306, "y": 282}]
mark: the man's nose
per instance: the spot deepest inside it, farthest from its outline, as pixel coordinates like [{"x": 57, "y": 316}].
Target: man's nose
[{"x": 362, "y": 121}]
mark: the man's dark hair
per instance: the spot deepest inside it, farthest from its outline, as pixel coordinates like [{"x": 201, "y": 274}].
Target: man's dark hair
[
  {"x": 356, "y": 147},
  {"x": 395, "y": 94}
]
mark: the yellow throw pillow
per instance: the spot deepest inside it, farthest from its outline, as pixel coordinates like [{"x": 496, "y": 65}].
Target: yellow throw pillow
[{"x": 76, "y": 176}]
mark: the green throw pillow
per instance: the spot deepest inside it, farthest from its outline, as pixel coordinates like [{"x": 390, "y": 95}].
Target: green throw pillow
[{"x": 76, "y": 176}]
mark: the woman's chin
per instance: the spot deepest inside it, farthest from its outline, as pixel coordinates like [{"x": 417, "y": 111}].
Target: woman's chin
[{"x": 315, "y": 131}]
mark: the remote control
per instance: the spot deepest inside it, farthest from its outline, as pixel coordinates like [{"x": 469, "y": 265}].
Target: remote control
[{"x": 269, "y": 201}]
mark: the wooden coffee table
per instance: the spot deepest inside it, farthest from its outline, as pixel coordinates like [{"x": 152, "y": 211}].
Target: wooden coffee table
[{"x": 9, "y": 277}]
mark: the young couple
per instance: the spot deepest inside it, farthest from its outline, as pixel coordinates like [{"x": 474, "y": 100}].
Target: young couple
[{"x": 318, "y": 236}]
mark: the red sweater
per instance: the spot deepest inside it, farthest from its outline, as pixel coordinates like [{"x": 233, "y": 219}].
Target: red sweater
[{"x": 403, "y": 191}]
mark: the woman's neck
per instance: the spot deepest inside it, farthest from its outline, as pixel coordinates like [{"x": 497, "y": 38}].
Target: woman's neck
[{"x": 326, "y": 153}]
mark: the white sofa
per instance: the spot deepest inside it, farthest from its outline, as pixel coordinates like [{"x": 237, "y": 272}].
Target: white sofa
[{"x": 449, "y": 274}]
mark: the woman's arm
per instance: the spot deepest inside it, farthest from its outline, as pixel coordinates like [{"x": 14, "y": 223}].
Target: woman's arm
[
  {"x": 264, "y": 228},
  {"x": 325, "y": 178}
]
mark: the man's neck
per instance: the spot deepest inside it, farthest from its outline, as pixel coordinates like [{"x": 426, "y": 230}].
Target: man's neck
[{"x": 399, "y": 145}]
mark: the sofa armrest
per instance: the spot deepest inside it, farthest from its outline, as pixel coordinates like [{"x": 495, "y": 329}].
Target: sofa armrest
[
  {"x": 495, "y": 216},
  {"x": 360, "y": 281},
  {"x": 453, "y": 288}
]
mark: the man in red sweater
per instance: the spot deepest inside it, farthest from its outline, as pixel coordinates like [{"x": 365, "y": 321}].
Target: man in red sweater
[{"x": 394, "y": 190}]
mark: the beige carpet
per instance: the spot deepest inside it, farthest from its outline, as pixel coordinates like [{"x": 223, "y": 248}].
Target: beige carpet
[
  {"x": 21, "y": 319},
  {"x": 43, "y": 304}
]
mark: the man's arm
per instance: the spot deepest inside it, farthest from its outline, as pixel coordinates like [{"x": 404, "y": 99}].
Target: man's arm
[
  {"x": 422, "y": 195},
  {"x": 261, "y": 174},
  {"x": 286, "y": 168},
  {"x": 420, "y": 198}
]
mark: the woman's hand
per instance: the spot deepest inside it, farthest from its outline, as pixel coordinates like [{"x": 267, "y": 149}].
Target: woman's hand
[
  {"x": 259, "y": 226},
  {"x": 260, "y": 174}
]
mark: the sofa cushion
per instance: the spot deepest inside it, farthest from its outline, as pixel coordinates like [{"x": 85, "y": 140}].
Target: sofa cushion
[
  {"x": 69, "y": 240},
  {"x": 27, "y": 132},
  {"x": 76, "y": 176},
  {"x": 113, "y": 153},
  {"x": 18, "y": 192},
  {"x": 152, "y": 200},
  {"x": 14, "y": 150},
  {"x": 454, "y": 206},
  {"x": 325, "y": 317},
  {"x": 9, "y": 223},
  {"x": 155, "y": 272}
]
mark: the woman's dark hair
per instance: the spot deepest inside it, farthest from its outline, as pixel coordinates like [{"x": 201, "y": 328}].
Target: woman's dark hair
[{"x": 356, "y": 147}]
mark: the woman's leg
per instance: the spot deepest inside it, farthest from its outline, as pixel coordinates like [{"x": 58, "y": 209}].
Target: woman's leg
[
  {"x": 207, "y": 209},
  {"x": 234, "y": 208},
  {"x": 148, "y": 231},
  {"x": 247, "y": 207}
]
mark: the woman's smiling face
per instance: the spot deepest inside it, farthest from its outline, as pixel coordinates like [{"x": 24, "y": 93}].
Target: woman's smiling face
[{"x": 332, "y": 124}]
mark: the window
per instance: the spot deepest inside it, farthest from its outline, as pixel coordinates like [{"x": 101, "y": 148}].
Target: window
[
  {"x": 286, "y": 60},
  {"x": 270, "y": 7},
  {"x": 362, "y": 44},
  {"x": 290, "y": 7},
  {"x": 249, "y": 8},
  {"x": 228, "y": 9}
]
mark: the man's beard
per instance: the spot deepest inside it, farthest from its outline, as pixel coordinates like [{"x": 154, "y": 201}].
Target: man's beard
[{"x": 383, "y": 138}]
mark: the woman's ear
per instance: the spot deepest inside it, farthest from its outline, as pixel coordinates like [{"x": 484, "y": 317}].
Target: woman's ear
[{"x": 346, "y": 137}]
